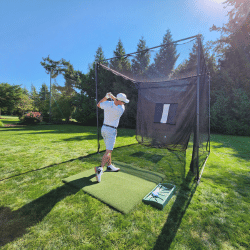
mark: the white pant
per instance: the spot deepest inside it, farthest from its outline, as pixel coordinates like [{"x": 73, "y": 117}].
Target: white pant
[{"x": 109, "y": 136}]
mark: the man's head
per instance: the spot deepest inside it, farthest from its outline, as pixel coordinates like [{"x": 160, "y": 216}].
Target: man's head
[{"x": 121, "y": 99}]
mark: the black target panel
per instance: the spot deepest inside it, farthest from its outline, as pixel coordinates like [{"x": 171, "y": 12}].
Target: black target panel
[{"x": 165, "y": 113}]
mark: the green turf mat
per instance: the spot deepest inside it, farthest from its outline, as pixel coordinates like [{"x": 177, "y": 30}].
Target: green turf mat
[
  {"x": 121, "y": 190},
  {"x": 139, "y": 172}
]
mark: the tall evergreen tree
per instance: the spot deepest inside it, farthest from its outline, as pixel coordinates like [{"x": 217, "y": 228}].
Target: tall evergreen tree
[
  {"x": 44, "y": 92},
  {"x": 238, "y": 26},
  {"x": 233, "y": 47},
  {"x": 35, "y": 97},
  {"x": 105, "y": 83},
  {"x": 85, "y": 101},
  {"x": 189, "y": 66},
  {"x": 120, "y": 63},
  {"x": 44, "y": 99},
  {"x": 230, "y": 87},
  {"x": 165, "y": 60},
  {"x": 99, "y": 56},
  {"x": 140, "y": 62},
  {"x": 9, "y": 95}
]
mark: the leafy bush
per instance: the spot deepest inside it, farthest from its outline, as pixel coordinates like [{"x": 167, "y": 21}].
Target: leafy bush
[
  {"x": 45, "y": 117},
  {"x": 62, "y": 108},
  {"x": 85, "y": 111},
  {"x": 1, "y": 124},
  {"x": 230, "y": 114},
  {"x": 32, "y": 118}
]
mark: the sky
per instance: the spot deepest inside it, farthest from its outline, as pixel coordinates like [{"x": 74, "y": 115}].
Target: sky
[{"x": 73, "y": 29}]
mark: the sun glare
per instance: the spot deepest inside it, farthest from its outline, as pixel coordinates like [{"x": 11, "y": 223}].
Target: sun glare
[
  {"x": 214, "y": 3},
  {"x": 212, "y": 7},
  {"x": 217, "y": 1}
]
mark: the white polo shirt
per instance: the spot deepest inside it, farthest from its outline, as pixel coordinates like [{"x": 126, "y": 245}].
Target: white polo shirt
[{"x": 112, "y": 113}]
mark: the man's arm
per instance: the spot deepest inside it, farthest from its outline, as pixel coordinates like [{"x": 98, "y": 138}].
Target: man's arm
[
  {"x": 103, "y": 100},
  {"x": 112, "y": 97},
  {"x": 108, "y": 95}
]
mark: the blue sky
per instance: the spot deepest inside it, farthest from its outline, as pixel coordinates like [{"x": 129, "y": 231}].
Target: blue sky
[{"x": 74, "y": 29}]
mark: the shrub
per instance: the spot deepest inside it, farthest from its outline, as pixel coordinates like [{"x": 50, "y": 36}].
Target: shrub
[
  {"x": 62, "y": 108},
  {"x": 1, "y": 124},
  {"x": 45, "y": 117},
  {"x": 85, "y": 111},
  {"x": 32, "y": 118},
  {"x": 230, "y": 114}
]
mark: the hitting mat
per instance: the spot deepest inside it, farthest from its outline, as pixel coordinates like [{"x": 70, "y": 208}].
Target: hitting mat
[{"x": 121, "y": 190}]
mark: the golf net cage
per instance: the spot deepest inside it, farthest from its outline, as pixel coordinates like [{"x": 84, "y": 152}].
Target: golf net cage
[{"x": 171, "y": 87}]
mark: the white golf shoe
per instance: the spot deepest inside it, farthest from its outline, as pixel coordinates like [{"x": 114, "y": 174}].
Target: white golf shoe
[
  {"x": 99, "y": 172},
  {"x": 112, "y": 168}
]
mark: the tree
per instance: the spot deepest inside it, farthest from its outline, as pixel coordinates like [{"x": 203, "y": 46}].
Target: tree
[
  {"x": 189, "y": 66},
  {"x": 141, "y": 60},
  {"x": 71, "y": 76},
  {"x": 233, "y": 47},
  {"x": 67, "y": 92},
  {"x": 44, "y": 92},
  {"x": 230, "y": 86},
  {"x": 99, "y": 56},
  {"x": 105, "y": 78},
  {"x": 43, "y": 100},
  {"x": 85, "y": 102},
  {"x": 165, "y": 60},
  {"x": 35, "y": 97},
  {"x": 120, "y": 63},
  {"x": 85, "y": 110},
  {"x": 9, "y": 96},
  {"x": 24, "y": 104},
  {"x": 237, "y": 28}
]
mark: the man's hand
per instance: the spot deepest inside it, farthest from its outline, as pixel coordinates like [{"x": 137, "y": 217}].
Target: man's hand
[{"x": 108, "y": 95}]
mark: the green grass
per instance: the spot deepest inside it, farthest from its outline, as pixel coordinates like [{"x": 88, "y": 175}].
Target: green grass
[{"x": 37, "y": 211}]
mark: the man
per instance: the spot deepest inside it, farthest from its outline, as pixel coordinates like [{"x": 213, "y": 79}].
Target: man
[{"x": 113, "y": 111}]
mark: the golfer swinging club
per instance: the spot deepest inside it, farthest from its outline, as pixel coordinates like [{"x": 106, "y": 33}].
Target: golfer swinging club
[{"x": 113, "y": 111}]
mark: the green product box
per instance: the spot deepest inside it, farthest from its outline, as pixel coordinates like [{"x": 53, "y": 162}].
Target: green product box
[{"x": 160, "y": 195}]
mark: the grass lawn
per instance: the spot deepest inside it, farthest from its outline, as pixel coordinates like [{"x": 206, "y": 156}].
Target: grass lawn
[{"x": 38, "y": 211}]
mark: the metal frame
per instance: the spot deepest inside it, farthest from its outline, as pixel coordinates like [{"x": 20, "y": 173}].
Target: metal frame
[
  {"x": 97, "y": 114},
  {"x": 195, "y": 162},
  {"x": 197, "y": 130},
  {"x": 198, "y": 106}
]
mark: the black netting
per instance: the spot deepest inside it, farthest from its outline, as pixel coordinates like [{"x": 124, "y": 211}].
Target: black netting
[
  {"x": 162, "y": 84},
  {"x": 175, "y": 129},
  {"x": 201, "y": 147}
]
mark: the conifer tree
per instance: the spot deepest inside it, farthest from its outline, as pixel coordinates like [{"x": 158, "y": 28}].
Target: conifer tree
[
  {"x": 35, "y": 97},
  {"x": 120, "y": 63},
  {"x": 165, "y": 60},
  {"x": 140, "y": 62}
]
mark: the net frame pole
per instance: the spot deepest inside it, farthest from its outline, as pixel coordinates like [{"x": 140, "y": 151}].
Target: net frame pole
[
  {"x": 97, "y": 113},
  {"x": 49, "y": 95},
  {"x": 209, "y": 115},
  {"x": 198, "y": 107}
]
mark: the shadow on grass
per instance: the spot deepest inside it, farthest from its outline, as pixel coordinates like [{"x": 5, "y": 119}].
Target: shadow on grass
[
  {"x": 53, "y": 129},
  {"x": 183, "y": 199},
  {"x": 170, "y": 163},
  {"x": 66, "y": 129},
  {"x": 151, "y": 157},
  {"x": 239, "y": 144},
  {"x": 14, "y": 224},
  {"x": 57, "y": 164}
]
